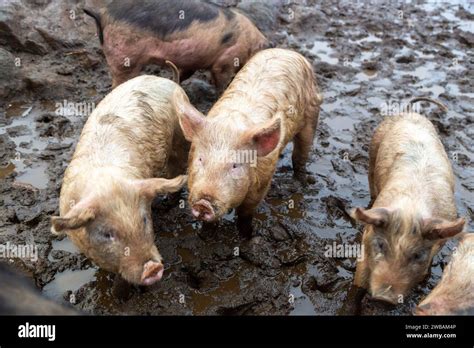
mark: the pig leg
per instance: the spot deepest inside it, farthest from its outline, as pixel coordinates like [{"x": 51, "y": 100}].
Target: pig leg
[
  {"x": 223, "y": 70},
  {"x": 244, "y": 220},
  {"x": 246, "y": 210},
  {"x": 119, "y": 70},
  {"x": 358, "y": 289},
  {"x": 352, "y": 303},
  {"x": 362, "y": 274},
  {"x": 119, "y": 76},
  {"x": 245, "y": 213},
  {"x": 302, "y": 144}
]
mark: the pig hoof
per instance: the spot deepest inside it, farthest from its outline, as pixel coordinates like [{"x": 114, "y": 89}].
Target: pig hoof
[
  {"x": 304, "y": 178},
  {"x": 311, "y": 180},
  {"x": 349, "y": 309}
]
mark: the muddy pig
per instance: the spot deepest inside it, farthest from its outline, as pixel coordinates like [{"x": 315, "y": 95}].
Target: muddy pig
[
  {"x": 191, "y": 34},
  {"x": 454, "y": 295},
  {"x": 126, "y": 150},
  {"x": 234, "y": 150},
  {"x": 413, "y": 213},
  {"x": 18, "y": 296}
]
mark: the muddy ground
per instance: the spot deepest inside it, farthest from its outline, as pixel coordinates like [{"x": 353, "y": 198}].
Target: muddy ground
[{"x": 364, "y": 55}]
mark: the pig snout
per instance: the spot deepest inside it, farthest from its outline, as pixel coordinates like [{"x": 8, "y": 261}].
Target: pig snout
[
  {"x": 203, "y": 210},
  {"x": 152, "y": 272},
  {"x": 385, "y": 293}
]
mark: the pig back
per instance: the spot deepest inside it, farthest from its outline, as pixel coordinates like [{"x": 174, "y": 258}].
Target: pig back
[
  {"x": 130, "y": 133},
  {"x": 138, "y": 120},
  {"x": 274, "y": 81},
  {"x": 409, "y": 156}
]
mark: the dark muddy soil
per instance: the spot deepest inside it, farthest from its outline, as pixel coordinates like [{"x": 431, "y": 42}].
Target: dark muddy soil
[{"x": 364, "y": 56}]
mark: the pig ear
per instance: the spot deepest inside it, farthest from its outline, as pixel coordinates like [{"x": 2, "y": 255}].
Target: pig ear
[
  {"x": 266, "y": 137},
  {"x": 152, "y": 187},
  {"x": 375, "y": 216},
  {"x": 440, "y": 229},
  {"x": 190, "y": 119},
  {"x": 79, "y": 216}
]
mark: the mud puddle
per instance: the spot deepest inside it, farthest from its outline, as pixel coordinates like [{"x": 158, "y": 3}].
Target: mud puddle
[{"x": 30, "y": 141}]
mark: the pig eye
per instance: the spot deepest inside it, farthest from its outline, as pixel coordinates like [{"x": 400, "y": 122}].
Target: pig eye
[
  {"x": 419, "y": 256},
  {"x": 235, "y": 165},
  {"x": 145, "y": 220},
  {"x": 379, "y": 246},
  {"x": 107, "y": 235}
]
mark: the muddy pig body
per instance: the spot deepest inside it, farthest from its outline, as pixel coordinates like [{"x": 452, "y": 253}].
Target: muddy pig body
[
  {"x": 273, "y": 100},
  {"x": 191, "y": 34},
  {"x": 122, "y": 161},
  {"x": 413, "y": 212},
  {"x": 454, "y": 295}
]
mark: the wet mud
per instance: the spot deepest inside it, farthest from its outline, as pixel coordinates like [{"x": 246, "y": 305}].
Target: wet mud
[{"x": 364, "y": 55}]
